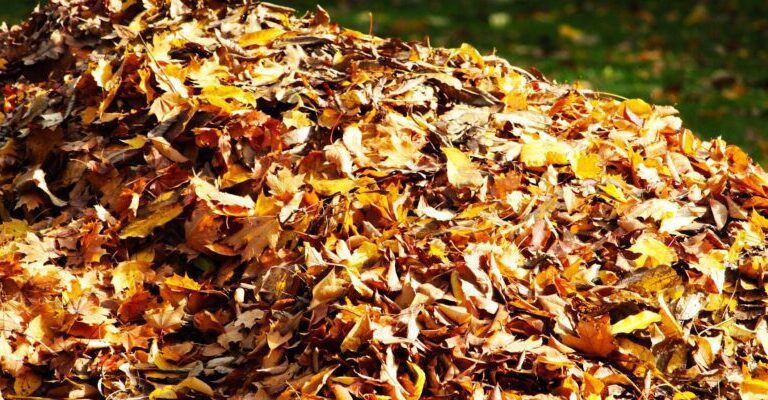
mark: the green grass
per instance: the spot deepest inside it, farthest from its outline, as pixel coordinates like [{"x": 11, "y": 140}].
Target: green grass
[
  {"x": 709, "y": 60},
  {"x": 12, "y": 11}
]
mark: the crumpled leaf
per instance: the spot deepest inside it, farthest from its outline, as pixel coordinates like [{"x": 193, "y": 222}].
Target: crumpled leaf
[{"x": 328, "y": 289}]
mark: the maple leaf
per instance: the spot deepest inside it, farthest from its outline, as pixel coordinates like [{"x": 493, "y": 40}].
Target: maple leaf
[
  {"x": 594, "y": 337},
  {"x": 257, "y": 234},
  {"x": 586, "y": 166},
  {"x": 166, "y": 317},
  {"x": 221, "y": 95},
  {"x": 652, "y": 251}
]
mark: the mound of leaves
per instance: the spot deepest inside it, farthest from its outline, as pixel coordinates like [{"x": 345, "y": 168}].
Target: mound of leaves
[{"x": 210, "y": 199}]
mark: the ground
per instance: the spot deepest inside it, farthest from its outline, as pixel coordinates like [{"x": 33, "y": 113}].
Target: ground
[{"x": 709, "y": 60}]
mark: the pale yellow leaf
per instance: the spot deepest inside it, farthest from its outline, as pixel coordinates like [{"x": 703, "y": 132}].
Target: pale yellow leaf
[
  {"x": 540, "y": 153},
  {"x": 461, "y": 171},
  {"x": 635, "y": 322},
  {"x": 260, "y": 38},
  {"x": 652, "y": 251}
]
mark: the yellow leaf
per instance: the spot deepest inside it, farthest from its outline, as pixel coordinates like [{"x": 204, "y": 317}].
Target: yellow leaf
[
  {"x": 470, "y": 52},
  {"x": 457, "y": 314},
  {"x": 166, "y": 317},
  {"x": 359, "y": 333},
  {"x": 136, "y": 142},
  {"x": 586, "y": 166},
  {"x": 197, "y": 385},
  {"x": 37, "y": 329},
  {"x": 594, "y": 338},
  {"x": 515, "y": 93},
  {"x": 635, "y": 322},
  {"x": 158, "y": 213},
  {"x": 327, "y": 187},
  {"x": 27, "y": 383},
  {"x": 365, "y": 252},
  {"x": 754, "y": 389},
  {"x": 712, "y": 266},
  {"x": 128, "y": 275},
  {"x": 341, "y": 393},
  {"x": 207, "y": 73},
  {"x": 102, "y": 73},
  {"x": 651, "y": 249},
  {"x": 219, "y": 94},
  {"x": 183, "y": 282},
  {"x": 456, "y": 286},
  {"x": 260, "y": 38},
  {"x": 615, "y": 192},
  {"x": 461, "y": 171},
  {"x": 684, "y": 396},
  {"x": 540, "y": 153},
  {"x": 638, "y": 107},
  {"x": 10, "y": 231},
  {"x": 758, "y": 220},
  {"x": 571, "y": 33},
  {"x": 637, "y": 351},
  {"x": 165, "y": 392},
  {"x": 669, "y": 324},
  {"x": 421, "y": 378},
  {"x": 294, "y": 118}
]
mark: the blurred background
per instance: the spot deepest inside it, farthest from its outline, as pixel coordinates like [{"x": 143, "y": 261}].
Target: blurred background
[{"x": 707, "y": 58}]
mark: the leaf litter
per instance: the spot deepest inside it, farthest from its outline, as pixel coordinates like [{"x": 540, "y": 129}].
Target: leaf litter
[{"x": 232, "y": 200}]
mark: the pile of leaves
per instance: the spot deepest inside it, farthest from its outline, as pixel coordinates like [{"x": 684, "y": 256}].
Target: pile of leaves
[{"x": 210, "y": 199}]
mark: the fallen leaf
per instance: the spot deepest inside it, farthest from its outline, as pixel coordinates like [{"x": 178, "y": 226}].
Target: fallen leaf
[
  {"x": 652, "y": 252},
  {"x": 594, "y": 337},
  {"x": 461, "y": 172},
  {"x": 635, "y": 322}
]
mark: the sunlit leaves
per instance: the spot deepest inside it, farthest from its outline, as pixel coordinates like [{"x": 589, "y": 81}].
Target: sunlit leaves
[{"x": 237, "y": 201}]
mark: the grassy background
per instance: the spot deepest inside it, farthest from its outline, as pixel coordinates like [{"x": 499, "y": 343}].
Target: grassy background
[{"x": 709, "y": 59}]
